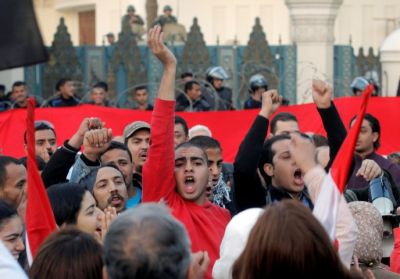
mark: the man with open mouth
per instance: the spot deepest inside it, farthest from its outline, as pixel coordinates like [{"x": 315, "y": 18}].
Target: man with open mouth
[{"x": 180, "y": 180}]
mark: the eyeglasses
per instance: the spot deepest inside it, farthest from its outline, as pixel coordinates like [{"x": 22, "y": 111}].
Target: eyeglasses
[{"x": 43, "y": 124}]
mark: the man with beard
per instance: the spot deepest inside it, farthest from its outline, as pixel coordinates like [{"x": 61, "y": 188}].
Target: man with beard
[
  {"x": 106, "y": 182},
  {"x": 109, "y": 188},
  {"x": 45, "y": 140},
  {"x": 118, "y": 154},
  {"x": 137, "y": 138},
  {"x": 183, "y": 187}
]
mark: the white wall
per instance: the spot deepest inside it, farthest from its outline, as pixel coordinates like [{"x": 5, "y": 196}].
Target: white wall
[{"x": 8, "y": 77}]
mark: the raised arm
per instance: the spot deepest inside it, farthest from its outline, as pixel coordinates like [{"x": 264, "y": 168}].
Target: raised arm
[
  {"x": 303, "y": 151},
  {"x": 248, "y": 190},
  {"x": 158, "y": 171},
  {"x": 333, "y": 124},
  {"x": 57, "y": 167}
]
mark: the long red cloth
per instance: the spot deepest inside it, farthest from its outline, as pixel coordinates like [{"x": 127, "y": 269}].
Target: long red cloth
[
  {"x": 229, "y": 127},
  {"x": 40, "y": 221}
]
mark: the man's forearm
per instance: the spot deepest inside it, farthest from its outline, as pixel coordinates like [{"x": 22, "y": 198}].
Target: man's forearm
[{"x": 167, "y": 84}]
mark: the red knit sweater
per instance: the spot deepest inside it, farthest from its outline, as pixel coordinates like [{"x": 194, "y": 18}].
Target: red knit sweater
[{"x": 205, "y": 224}]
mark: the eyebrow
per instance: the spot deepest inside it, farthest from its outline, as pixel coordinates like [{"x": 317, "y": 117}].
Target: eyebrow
[
  {"x": 12, "y": 235},
  {"x": 190, "y": 158},
  {"x": 90, "y": 207}
]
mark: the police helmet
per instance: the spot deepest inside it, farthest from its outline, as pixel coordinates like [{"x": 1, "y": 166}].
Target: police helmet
[
  {"x": 258, "y": 81},
  {"x": 359, "y": 84},
  {"x": 131, "y": 8},
  {"x": 216, "y": 73}
]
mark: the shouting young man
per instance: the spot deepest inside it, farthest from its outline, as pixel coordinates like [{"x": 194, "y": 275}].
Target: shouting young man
[{"x": 180, "y": 179}]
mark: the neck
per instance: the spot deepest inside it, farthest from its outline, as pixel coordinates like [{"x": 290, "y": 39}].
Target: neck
[
  {"x": 201, "y": 200},
  {"x": 142, "y": 107},
  {"x": 131, "y": 191},
  {"x": 364, "y": 154}
]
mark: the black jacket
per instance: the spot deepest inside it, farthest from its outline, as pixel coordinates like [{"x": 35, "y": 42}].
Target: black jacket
[
  {"x": 248, "y": 189},
  {"x": 57, "y": 168}
]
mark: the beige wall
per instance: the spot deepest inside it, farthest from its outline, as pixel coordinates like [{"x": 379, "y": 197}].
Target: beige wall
[
  {"x": 227, "y": 19},
  {"x": 366, "y": 22}
]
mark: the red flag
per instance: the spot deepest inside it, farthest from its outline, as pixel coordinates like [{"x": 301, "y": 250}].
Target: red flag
[
  {"x": 40, "y": 220},
  {"x": 327, "y": 204}
]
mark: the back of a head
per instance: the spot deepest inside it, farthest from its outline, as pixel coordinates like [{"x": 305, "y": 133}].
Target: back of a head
[
  {"x": 68, "y": 253},
  {"x": 282, "y": 116},
  {"x": 205, "y": 142},
  {"x": 288, "y": 242},
  {"x": 147, "y": 242},
  {"x": 65, "y": 200},
  {"x": 234, "y": 240},
  {"x": 199, "y": 130}
]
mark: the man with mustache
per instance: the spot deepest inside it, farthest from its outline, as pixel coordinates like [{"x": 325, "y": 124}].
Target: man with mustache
[{"x": 137, "y": 138}]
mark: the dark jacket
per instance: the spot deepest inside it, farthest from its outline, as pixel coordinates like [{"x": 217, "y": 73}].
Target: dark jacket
[
  {"x": 183, "y": 104},
  {"x": 62, "y": 102},
  {"x": 57, "y": 168},
  {"x": 248, "y": 189},
  {"x": 356, "y": 182},
  {"x": 251, "y": 104}
]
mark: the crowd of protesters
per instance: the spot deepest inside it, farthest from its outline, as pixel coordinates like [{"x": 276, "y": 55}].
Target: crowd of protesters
[{"x": 160, "y": 202}]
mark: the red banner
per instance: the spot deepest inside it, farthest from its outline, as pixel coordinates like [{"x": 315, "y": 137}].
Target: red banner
[{"x": 229, "y": 127}]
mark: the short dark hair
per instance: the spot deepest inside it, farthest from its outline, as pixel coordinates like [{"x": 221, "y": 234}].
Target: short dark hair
[
  {"x": 319, "y": 140},
  {"x": 182, "y": 121},
  {"x": 147, "y": 242},
  {"x": 65, "y": 200},
  {"x": 7, "y": 211},
  {"x": 41, "y": 125},
  {"x": 4, "y": 162},
  {"x": 101, "y": 84},
  {"x": 267, "y": 154},
  {"x": 40, "y": 162},
  {"x": 189, "y": 85},
  {"x": 139, "y": 87},
  {"x": 61, "y": 82},
  {"x": 375, "y": 126},
  {"x": 2, "y": 87},
  {"x": 206, "y": 142},
  {"x": 190, "y": 144},
  {"x": 18, "y": 83},
  {"x": 282, "y": 116},
  {"x": 186, "y": 74},
  {"x": 117, "y": 145},
  {"x": 68, "y": 253}
]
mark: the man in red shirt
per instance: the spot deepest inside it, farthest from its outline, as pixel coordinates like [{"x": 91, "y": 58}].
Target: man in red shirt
[{"x": 180, "y": 179}]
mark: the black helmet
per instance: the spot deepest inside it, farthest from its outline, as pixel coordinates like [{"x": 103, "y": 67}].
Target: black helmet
[{"x": 258, "y": 81}]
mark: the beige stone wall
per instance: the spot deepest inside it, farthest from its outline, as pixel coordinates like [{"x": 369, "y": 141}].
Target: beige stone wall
[{"x": 363, "y": 20}]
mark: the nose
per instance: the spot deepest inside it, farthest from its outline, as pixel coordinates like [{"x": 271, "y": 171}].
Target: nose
[
  {"x": 47, "y": 145},
  {"x": 214, "y": 171},
  {"x": 188, "y": 166},
  {"x": 20, "y": 245},
  {"x": 113, "y": 187}
]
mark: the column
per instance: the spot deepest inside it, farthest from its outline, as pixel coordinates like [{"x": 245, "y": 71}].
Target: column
[{"x": 312, "y": 30}]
